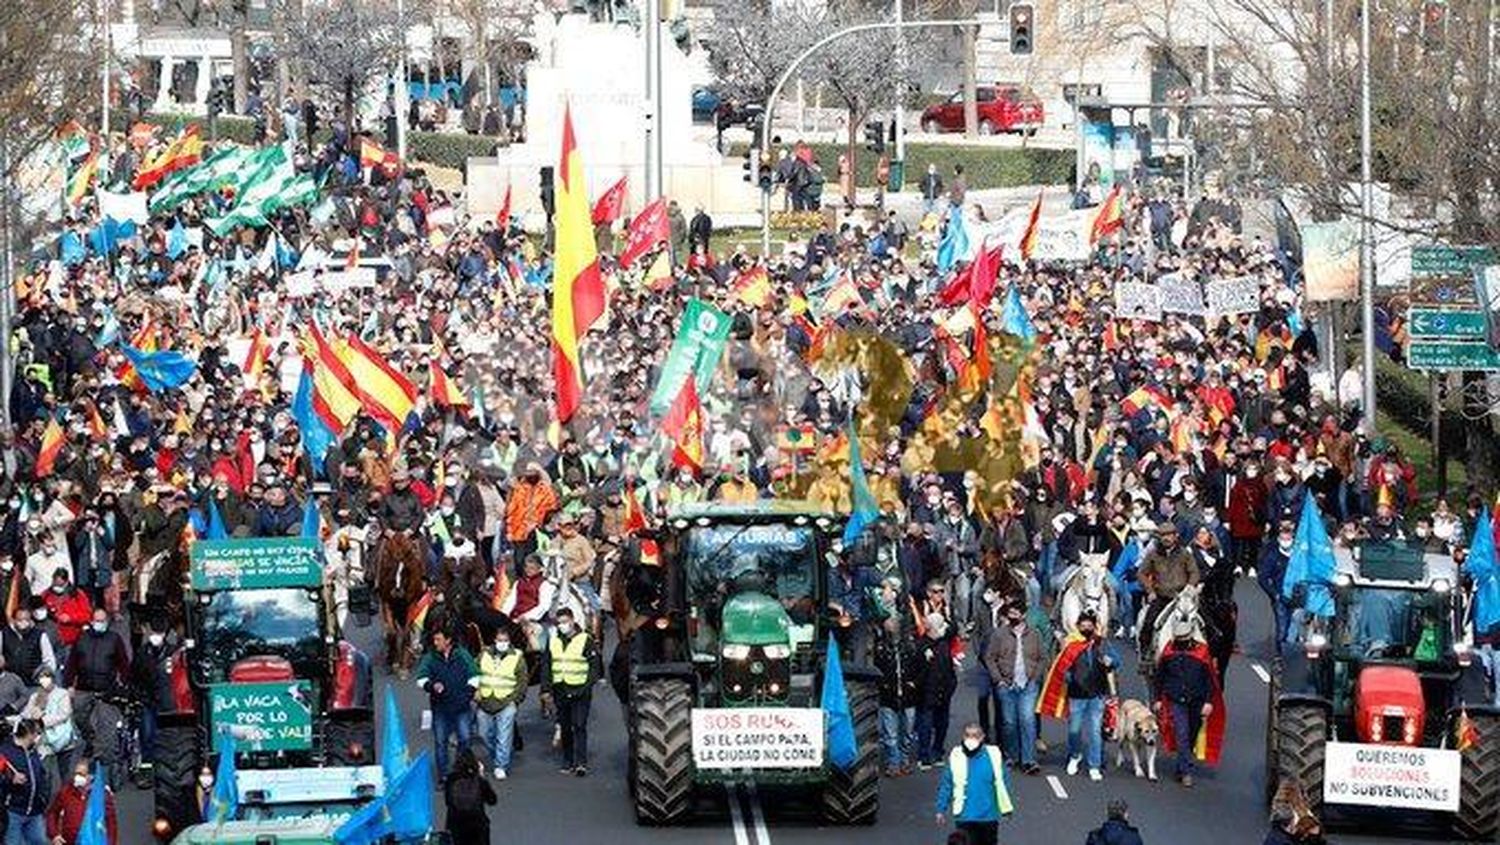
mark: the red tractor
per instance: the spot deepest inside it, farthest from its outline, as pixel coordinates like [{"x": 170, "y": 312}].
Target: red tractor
[{"x": 1383, "y": 704}]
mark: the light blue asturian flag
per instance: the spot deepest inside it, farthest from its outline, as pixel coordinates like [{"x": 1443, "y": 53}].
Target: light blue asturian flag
[
  {"x": 394, "y": 754},
  {"x": 316, "y": 437},
  {"x": 954, "y": 246},
  {"x": 843, "y": 746},
  {"x": 403, "y": 811},
  {"x": 215, "y": 529},
  {"x": 1013, "y": 317},
  {"x": 162, "y": 370},
  {"x": 1481, "y": 565},
  {"x": 312, "y": 521},
  {"x": 94, "y": 829},
  {"x": 1312, "y": 562},
  {"x": 226, "y": 795},
  {"x": 866, "y": 510}
]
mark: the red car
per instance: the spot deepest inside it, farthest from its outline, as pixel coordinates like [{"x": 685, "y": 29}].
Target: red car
[{"x": 1002, "y": 108}]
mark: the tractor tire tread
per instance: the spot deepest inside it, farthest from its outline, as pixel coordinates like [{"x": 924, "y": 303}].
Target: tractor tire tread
[
  {"x": 1479, "y": 786},
  {"x": 662, "y": 750},
  {"x": 853, "y": 797}
]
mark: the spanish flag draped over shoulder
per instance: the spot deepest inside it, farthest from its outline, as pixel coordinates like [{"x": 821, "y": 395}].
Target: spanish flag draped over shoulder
[
  {"x": 1110, "y": 219},
  {"x": 1208, "y": 745},
  {"x": 1028, "y": 237},
  {"x": 577, "y": 287},
  {"x": 1053, "y": 700},
  {"x": 635, "y": 518},
  {"x": 53, "y": 440}
]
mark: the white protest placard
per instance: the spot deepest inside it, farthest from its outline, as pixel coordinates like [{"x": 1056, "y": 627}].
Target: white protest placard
[
  {"x": 355, "y": 278},
  {"x": 300, "y": 284},
  {"x": 1180, "y": 294},
  {"x": 757, "y": 737},
  {"x": 1137, "y": 301},
  {"x": 1391, "y": 776},
  {"x": 1063, "y": 237},
  {"x": 1239, "y": 295}
]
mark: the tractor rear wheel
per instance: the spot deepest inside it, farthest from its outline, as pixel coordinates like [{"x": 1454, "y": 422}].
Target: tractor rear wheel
[
  {"x": 1479, "y": 787},
  {"x": 174, "y": 770},
  {"x": 662, "y": 750},
  {"x": 349, "y": 742},
  {"x": 1301, "y": 744},
  {"x": 853, "y": 797}
]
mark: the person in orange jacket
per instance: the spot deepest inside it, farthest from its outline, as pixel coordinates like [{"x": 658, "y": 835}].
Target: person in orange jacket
[
  {"x": 65, "y": 813},
  {"x": 532, "y": 500}
]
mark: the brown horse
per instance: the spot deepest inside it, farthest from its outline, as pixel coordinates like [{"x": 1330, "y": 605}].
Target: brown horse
[{"x": 400, "y": 566}]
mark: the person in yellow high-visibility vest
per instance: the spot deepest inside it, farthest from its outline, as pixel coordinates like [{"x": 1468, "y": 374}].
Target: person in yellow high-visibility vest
[
  {"x": 502, "y": 687},
  {"x": 568, "y": 675}
]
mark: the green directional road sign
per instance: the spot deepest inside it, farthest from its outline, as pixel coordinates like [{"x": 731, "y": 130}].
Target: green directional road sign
[
  {"x": 1440, "y": 260},
  {"x": 264, "y": 716},
  {"x": 1445, "y": 324},
  {"x": 1451, "y": 355}
]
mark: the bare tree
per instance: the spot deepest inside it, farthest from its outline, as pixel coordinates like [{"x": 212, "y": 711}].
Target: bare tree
[
  {"x": 345, "y": 45},
  {"x": 495, "y": 29},
  {"x": 48, "y": 73},
  {"x": 751, "y": 44}
]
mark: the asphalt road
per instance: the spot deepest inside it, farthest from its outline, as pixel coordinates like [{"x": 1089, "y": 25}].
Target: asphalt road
[{"x": 537, "y": 804}]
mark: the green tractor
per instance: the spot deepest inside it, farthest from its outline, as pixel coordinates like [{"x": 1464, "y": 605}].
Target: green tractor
[
  {"x": 1385, "y": 705},
  {"x": 262, "y": 660},
  {"x": 725, "y": 675}
]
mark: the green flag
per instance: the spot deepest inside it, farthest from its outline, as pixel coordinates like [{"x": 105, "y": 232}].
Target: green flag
[{"x": 699, "y": 345}]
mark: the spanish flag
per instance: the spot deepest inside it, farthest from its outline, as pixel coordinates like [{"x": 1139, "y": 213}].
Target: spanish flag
[
  {"x": 1053, "y": 700},
  {"x": 255, "y": 359},
  {"x": 684, "y": 424},
  {"x": 82, "y": 180},
  {"x": 53, "y": 440},
  {"x": 443, "y": 392},
  {"x": 1028, "y": 238},
  {"x": 1110, "y": 219},
  {"x": 386, "y": 393},
  {"x": 1208, "y": 745},
  {"x": 635, "y": 518},
  {"x": 145, "y": 340},
  {"x": 577, "y": 287},
  {"x": 334, "y": 398},
  {"x": 753, "y": 287},
  {"x": 185, "y": 149},
  {"x": 97, "y": 429},
  {"x": 502, "y": 589}
]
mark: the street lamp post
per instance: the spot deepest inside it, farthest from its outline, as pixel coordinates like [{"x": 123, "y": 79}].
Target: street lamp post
[
  {"x": 398, "y": 100},
  {"x": 1366, "y": 245}
]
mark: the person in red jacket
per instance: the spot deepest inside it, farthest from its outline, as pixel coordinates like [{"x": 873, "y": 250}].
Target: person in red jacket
[
  {"x": 69, "y": 606},
  {"x": 65, "y": 814},
  {"x": 1247, "y": 516}
]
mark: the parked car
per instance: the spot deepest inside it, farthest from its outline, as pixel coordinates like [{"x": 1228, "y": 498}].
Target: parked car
[
  {"x": 1002, "y": 108},
  {"x": 705, "y": 104},
  {"x": 711, "y": 106}
]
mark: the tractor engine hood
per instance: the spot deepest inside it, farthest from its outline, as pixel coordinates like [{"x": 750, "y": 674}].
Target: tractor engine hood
[
  {"x": 755, "y": 650},
  {"x": 1388, "y": 705}
]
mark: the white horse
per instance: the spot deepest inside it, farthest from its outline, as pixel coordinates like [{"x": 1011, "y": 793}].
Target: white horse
[
  {"x": 344, "y": 568},
  {"x": 1086, "y": 587},
  {"x": 1184, "y": 608}
]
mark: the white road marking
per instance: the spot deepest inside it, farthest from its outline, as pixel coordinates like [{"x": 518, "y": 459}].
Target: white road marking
[
  {"x": 737, "y": 816},
  {"x": 1057, "y": 787},
  {"x": 762, "y": 836},
  {"x": 1260, "y": 672}
]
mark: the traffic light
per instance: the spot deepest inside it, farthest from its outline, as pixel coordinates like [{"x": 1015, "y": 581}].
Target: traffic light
[
  {"x": 766, "y": 171},
  {"x": 545, "y": 179},
  {"x": 752, "y": 167},
  {"x": 216, "y": 98},
  {"x": 1434, "y": 24},
  {"x": 875, "y": 136},
  {"x": 1021, "y": 19}
]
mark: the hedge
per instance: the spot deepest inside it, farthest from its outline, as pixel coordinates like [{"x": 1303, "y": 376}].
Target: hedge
[
  {"x": 443, "y": 149},
  {"x": 984, "y": 166}
]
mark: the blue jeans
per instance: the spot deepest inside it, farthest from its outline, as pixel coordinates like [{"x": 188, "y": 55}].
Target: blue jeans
[
  {"x": 1186, "y": 720},
  {"x": 1047, "y": 563},
  {"x": 26, "y": 830},
  {"x": 1086, "y": 714},
  {"x": 447, "y": 726},
  {"x": 147, "y": 734},
  {"x": 498, "y": 730},
  {"x": 1018, "y": 722},
  {"x": 898, "y": 735},
  {"x": 932, "y": 733}
]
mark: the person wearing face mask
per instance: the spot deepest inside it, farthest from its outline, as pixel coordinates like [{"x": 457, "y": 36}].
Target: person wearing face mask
[
  {"x": 973, "y": 791},
  {"x": 52, "y": 707},
  {"x": 26, "y": 647},
  {"x": 1247, "y": 517},
  {"x": 1270, "y": 571},
  {"x": 569, "y": 669},
  {"x": 47, "y": 557},
  {"x": 21, "y": 767},
  {"x": 98, "y": 663},
  {"x": 150, "y": 683},
  {"x": 1013, "y": 658},
  {"x": 1188, "y": 693},
  {"x": 68, "y": 606},
  {"x": 958, "y": 544},
  {"x": 65, "y": 813},
  {"x": 502, "y": 688},
  {"x": 1076, "y": 688},
  {"x": 532, "y": 500}
]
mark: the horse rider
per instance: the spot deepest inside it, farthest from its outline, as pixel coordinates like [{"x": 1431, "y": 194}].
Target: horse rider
[
  {"x": 1167, "y": 569},
  {"x": 578, "y": 559}
]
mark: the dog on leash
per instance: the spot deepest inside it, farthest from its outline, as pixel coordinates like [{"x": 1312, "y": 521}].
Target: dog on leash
[{"x": 1138, "y": 731}]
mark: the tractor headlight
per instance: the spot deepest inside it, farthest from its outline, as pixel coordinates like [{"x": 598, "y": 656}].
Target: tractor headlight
[
  {"x": 777, "y": 651},
  {"x": 1463, "y": 651},
  {"x": 736, "y": 651},
  {"x": 1441, "y": 586},
  {"x": 1343, "y": 579}
]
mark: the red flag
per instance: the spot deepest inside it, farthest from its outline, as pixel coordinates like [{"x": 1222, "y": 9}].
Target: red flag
[
  {"x": 1028, "y": 238},
  {"x": 577, "y": 286},
  {"x": 1110, "y": 219},
  {"x": 502, "y": 217},
  {"x": 684, "y": 424},
  {"x": 635, "y": 518},
  {"x": 976, "y": 282},
  {"x": 53, "y": 440},
  {"x": 607, "y": 209},
  {"x": 647, "y": 230}
]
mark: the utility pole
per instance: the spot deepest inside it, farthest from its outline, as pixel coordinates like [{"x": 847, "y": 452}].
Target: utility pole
[
  {"x": 398, "y": 100},
  {"x": 104, "y": 88},
  {"x": 899, "y": 112},
  {"x": 7, "y": 289},
  {"x": 1366, "y": 245}
]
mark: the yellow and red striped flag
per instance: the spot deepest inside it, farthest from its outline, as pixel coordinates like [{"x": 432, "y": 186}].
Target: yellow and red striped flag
[
  {"x": 53, "y": 440},
  {"x": 386, "y": 393},
  {"x": 97, "y": 429},
  {"x": 255, "y": 358},
  {"x": 1110, "y": 219},
  {"x": 183, "y": 150},
  {"x": 578, "y": 288},
  {"x": 1028, "y": 238},
  {"x": 334, "y": 398},
  {"x": 753, "y": 287},
  {"x": 82, "y": 180}
]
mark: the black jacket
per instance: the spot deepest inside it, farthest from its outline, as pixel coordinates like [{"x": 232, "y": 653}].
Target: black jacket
[
  {"x": 30, "y": 798},
  {"x": 936, "y": 679},
  {"x": 1184, "y": 679},
  {"x": 896, "y": 658},
  {"x": 1114, "y": 832}
]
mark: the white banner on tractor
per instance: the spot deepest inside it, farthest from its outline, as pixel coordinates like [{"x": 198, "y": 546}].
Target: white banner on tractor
[
  {"x": 1391, "y": 776},
  {"x": 757, "y": 737}
]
